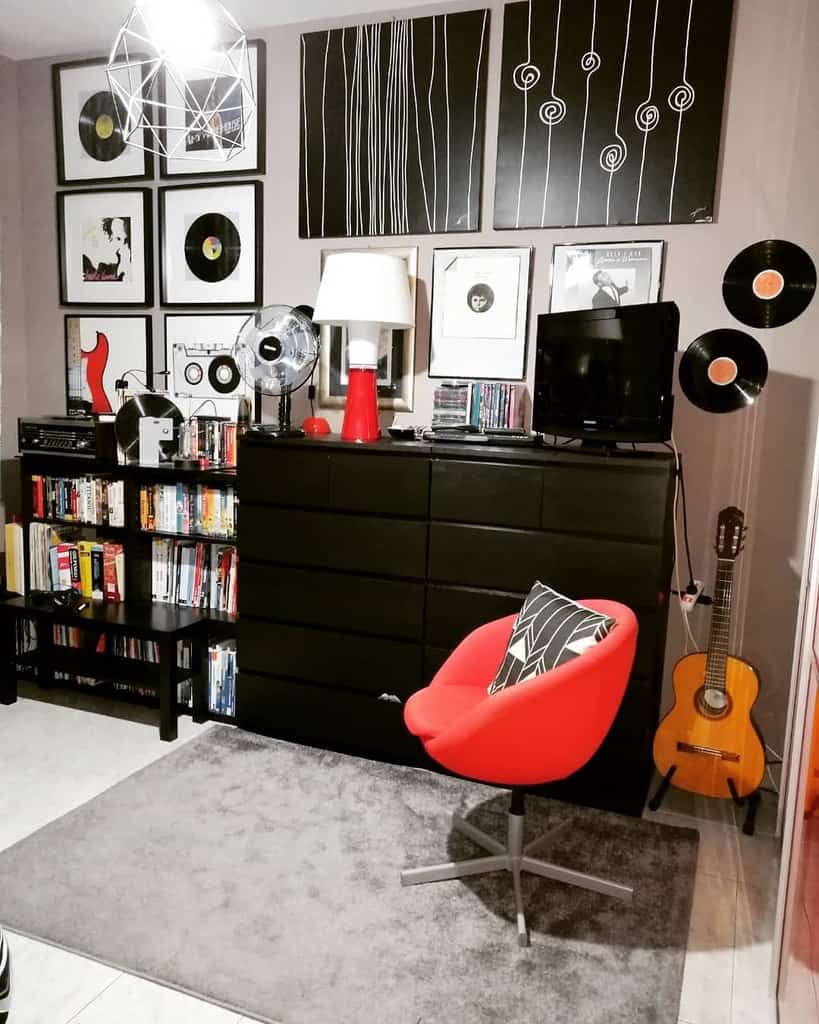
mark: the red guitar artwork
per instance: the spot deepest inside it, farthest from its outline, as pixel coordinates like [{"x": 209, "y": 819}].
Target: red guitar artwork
[{"x": 95, "y": 362}]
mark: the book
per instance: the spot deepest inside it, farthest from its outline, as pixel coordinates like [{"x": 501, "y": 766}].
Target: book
[
  {"x": 113, "y": 571},
  {"x": 15, "y": 558}
]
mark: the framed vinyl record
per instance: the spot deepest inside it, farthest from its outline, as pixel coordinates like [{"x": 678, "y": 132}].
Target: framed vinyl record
[
  {"x": 106, "y": 245},
  {"x": 210, "y": 251},
  {"x": 90, "y": 144},
  {"x": 200, "y": 155},
  {"x": 200, "y": 364},
  {"x": 99, "y": 350},
  {"x": 480, "y": 312}
]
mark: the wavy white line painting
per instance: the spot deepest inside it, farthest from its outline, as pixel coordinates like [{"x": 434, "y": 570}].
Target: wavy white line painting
[
  {"x": 611, "y": 112},
  {"x": 392, "y": 127}
]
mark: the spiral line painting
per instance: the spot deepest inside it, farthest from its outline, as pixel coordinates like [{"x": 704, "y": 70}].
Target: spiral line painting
[
  {"x": 610, "y": 112},
  {"x": 392, "y": 127}
]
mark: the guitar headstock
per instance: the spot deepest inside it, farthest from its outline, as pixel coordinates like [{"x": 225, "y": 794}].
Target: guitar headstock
[{"x": 731, "y": 533}]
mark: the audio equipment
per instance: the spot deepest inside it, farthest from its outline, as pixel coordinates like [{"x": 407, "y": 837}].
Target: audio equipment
[{"x": 85, "y": 437}]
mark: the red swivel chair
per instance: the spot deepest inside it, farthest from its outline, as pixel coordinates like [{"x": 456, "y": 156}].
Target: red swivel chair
[{"x": 538, "y": 731}]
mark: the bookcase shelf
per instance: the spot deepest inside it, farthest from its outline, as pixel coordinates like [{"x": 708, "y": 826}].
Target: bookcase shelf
[
  {"x": 113, "y": 531},
  {"x": 203, "y": 538}
]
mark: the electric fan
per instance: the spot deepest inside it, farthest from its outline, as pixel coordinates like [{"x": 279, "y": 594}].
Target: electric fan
[{"x": 276, "y": 352}]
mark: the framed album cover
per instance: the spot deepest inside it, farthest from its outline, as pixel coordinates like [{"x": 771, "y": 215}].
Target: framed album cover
[
  {"x": 200, "y": 364},
  {"x": 200, "y": 155},
  {"x": 99, "y": 350},
  {"x": 106, "y": 246},
  {"x": 598, "y": 275},
  {"x": 480, "y": 312},
  {"x": 395, "y": 376},
  {"x": 89, "y": 141},
  {"x": 210, "y": 248}
]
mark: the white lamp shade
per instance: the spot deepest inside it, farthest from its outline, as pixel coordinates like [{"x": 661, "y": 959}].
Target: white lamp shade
[{"x": 364, "y": 287}]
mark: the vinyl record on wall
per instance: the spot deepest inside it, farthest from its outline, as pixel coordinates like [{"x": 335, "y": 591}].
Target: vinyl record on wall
[
  {"x": 723, "y": 371},
  {"x": 769, "y": 284},
  {"x": 99, "y": 127},
  {"x": 213, "y": 247}
]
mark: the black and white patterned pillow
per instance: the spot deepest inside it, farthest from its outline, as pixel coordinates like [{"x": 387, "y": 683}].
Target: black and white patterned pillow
[{"x": 549, "y": 631}]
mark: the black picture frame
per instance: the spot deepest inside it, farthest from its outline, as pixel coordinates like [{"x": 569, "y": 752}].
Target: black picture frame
[
  {"x": 256, "y": 300},
  {"x": 147, "y": 252},
  {"x": 211, "y": 169},
  {"x": 59, "y": 140},
  {"x": 147, "y": 320}
]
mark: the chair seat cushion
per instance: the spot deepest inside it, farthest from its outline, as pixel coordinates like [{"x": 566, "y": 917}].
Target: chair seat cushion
[
  {"x": 549, "y": 631},
  {"x": 430, "y": 711}
]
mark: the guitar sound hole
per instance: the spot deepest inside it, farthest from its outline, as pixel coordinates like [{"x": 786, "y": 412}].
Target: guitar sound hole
[{"x": 713, "y": 703}]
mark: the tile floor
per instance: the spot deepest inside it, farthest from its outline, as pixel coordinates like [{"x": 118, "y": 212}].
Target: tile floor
[{"x": 55, "y": 755}]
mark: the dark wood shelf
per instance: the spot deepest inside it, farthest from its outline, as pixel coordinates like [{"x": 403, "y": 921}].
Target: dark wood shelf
[
  {"x": 115, "y": 531},
  {"x": 203, "y": 538},
  {"x": 79, "y": 662}
]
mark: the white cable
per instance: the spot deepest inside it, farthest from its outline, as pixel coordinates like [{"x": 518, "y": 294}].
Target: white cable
[{"x": 688, "y": 634}]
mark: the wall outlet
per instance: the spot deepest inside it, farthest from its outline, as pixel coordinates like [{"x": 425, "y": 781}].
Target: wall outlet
[{"x": 688, "y": 601}]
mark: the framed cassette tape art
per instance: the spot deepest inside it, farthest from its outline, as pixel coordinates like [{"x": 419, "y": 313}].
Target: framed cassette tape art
[
  {"x": 106, "y": 247},
  {"x": 395, "y": 375},
  {"x": 235, "y": 123},
  {"x": 99, "y": 350},
  {"x": 200, "y": 364},
  {"x": 89, "y": 141},
  {"x": 480, "y": 312},
  {"x": 210, "y": 248}
]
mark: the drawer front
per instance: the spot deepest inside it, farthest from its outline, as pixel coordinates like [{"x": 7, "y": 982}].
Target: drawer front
[
  {"x": 512, "y": 560},
  {"x": 389, "y": 547},
  {"x": 452, "y": 612},
  {"x": 614, "y": 502},
  {"x": 368, "y": 664},
  {"x": 491, "y": 493},
  {"x": 388, "y": 484},
  {"x": 282, "y": 477},
  {"x": 390, "y": 608},
  {"x": 336, "y": 719}
]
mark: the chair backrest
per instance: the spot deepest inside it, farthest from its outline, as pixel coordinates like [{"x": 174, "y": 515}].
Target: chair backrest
[{"x": 548, "y": 727}]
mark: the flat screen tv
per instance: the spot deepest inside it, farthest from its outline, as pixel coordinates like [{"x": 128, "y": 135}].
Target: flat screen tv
[{"x": 606, "y": 374}]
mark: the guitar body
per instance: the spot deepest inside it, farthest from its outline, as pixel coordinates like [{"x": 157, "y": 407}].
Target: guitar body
[{"x": 711, "y": 745}]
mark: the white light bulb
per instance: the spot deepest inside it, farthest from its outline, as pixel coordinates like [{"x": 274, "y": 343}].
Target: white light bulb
[{"x": 184, "y": 31}]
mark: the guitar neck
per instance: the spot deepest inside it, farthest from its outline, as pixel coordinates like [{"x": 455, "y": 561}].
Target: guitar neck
[{"x": 718, "y": 642}]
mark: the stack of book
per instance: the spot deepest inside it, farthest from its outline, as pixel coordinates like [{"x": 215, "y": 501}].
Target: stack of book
[
  {"x": 86, "y": 499},
  {"x": 212, "y": 439},
  {"x": 188, "y": 509},
  {"x": 222, "y": 678},
  {"x": 488, "y": 405},
  {"x": 195, "y": 574},
  {"x": 58, "y": 560}
]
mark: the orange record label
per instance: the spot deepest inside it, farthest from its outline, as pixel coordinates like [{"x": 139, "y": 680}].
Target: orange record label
[
  {"x": 768, "y": 284},
  {"x": 722, "y": 371}
]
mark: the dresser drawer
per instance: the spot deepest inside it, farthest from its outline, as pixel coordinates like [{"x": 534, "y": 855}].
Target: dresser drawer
[
  {"x": 512, "y": 560},
  {"x": 282, "y": 477},
  {"x": 388, "y": 484},
  {"x": 452, "y": 612},
  {"x": 389, "y": 547},
  {"x": 615, "y": 501},
  {"x": 391, "y": 608},
  {"x": 338, "y": 719},
  {"x": 364, "y": 663},
  {"x": 483, "y": 492}
]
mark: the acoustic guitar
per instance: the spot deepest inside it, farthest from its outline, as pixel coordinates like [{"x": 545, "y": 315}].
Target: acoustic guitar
[{"x": 708, "y": 743}]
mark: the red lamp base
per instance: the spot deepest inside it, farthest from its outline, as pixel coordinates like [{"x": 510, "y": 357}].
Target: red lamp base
[{"x": 361, "y": 410}]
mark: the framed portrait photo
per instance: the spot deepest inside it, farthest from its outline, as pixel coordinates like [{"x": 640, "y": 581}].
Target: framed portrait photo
[
  {"x": 200, "y": 364},
  {"x": 90, "y": 145},
  {"x": 236, "y": 123},
  {"x": 210, "y": 245},
  {"x": 99, "y": 350},
  {"x": 395, "y": 375},
  {"x": 599, "y": 275},
  {"x": 480, "y": 312},
  {"x": 106, "y": 245}
]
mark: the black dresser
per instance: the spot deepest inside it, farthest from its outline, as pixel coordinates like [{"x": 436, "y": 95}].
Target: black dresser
[{"x": 362, "y": 567}]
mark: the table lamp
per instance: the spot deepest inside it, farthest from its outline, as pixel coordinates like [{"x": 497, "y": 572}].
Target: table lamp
[{"x": 364, "y": 292}]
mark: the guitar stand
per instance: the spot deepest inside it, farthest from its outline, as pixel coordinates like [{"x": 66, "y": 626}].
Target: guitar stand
[
  {"x": 662, "y": 789},
  {"x": 753, "y": 800}
]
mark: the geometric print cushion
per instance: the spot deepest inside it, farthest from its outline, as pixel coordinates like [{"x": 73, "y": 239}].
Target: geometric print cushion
[{"x": 549, "y": 631}]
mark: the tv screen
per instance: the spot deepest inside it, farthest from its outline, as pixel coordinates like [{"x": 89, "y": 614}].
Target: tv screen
[{"x": 606, "y": 374}]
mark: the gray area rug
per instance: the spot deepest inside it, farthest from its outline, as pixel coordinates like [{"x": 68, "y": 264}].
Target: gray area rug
[{"x": 264, "y": 876}]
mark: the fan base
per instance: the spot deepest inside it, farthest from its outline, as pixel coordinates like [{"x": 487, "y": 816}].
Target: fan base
[{"x": 272, "y": 430}]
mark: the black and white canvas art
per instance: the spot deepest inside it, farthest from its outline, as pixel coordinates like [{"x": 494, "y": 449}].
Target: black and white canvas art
[
  {"x": 392, "y": 127},
  {"x": 611, "y": 111}
]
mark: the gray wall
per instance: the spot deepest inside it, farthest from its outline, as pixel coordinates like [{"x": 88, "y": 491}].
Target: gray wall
[{"x": 758, "y": 459}]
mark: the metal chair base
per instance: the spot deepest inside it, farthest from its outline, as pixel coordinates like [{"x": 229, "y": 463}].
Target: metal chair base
[{"x": 516, "y": 858}]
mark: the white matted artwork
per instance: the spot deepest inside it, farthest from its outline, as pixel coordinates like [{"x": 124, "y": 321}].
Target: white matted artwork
[
  {"x": 87, "y": 118},
  {"x": 99, "y": 350},
  {"x": 480, "y": 312},
  {"x": 235, "y": 124},
  {"x": 599, "y": 275},
  {"x": 200, "y": 365},
  {"x": 105, "y": 247},
  {"x": 210, "y": 250}
]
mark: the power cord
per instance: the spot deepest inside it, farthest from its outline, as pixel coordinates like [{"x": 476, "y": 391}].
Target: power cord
[{"x": 689, "y": 636}]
